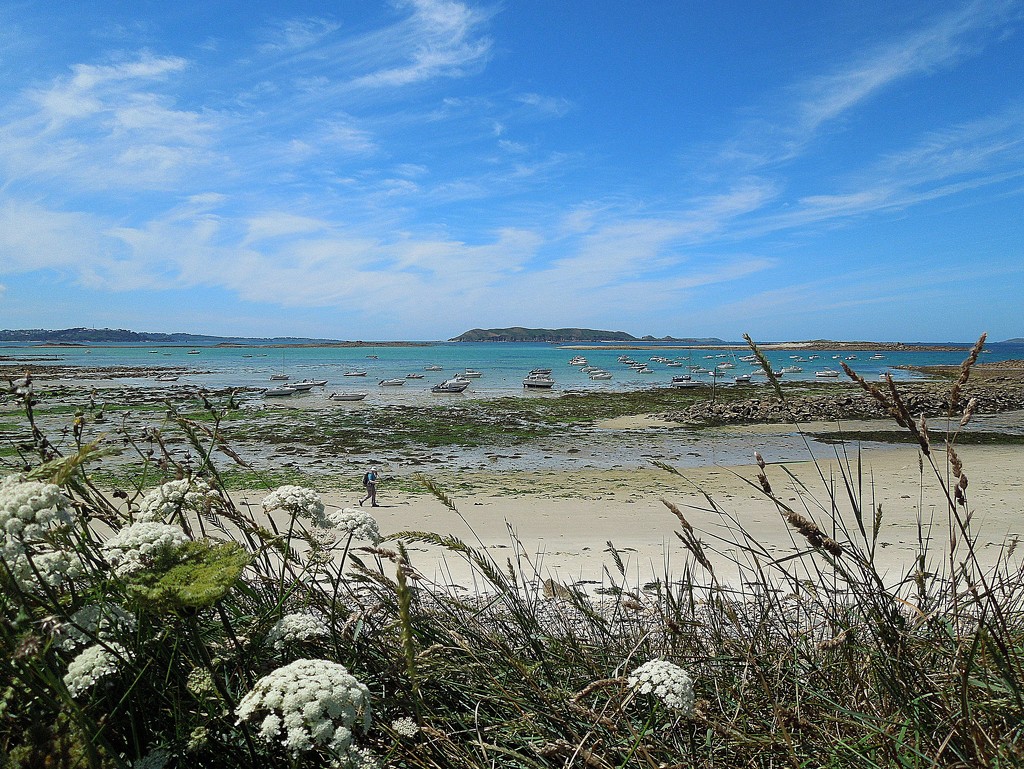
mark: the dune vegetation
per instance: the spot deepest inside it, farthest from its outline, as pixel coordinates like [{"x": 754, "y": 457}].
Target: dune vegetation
[{"x": 161, "y": 624}]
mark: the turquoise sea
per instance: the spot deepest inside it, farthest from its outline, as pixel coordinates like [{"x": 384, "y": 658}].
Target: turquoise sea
[{"x": 502, "y": 365}]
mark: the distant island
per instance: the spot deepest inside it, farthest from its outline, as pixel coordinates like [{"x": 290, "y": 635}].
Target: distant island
[
  {"x": 565, "y": 336},
  {"x": 70, "y": 337}
]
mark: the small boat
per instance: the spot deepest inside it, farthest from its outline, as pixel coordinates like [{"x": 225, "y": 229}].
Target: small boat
[
  {"x": 450, "y": 386},
  {"x": 343, "y": 396},
  {"x": 471, "y": 374},
  {"x": 303, "y": 386},
  {"x": 602, "y": 375},
  {"x": 877, "y": 357},
  {"x": 579, "y": 360},
  {"x": 826, "y": 373},
  {"x": 274, "y": 377},
  {"x": 742, "y": 379},
  {"x": 279, "y": 391},
  {"x": 540, "y": 371},
  {"x": 538, "y": 382},
  {"x": 167, "y": 378},
  {"x": 372, "y": 356},
  {"x": 193, "y": 352},
  {"x": 433, "y": 368},
  {"x": 354, "y": 373},
  {"x": 414, "y": 376},
  {"x": 391, "y": 382},
  {"x": 791, "y": 369}
]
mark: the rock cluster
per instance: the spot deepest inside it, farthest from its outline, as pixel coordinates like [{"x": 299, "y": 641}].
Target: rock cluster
[{"x": 930, "y": 399}]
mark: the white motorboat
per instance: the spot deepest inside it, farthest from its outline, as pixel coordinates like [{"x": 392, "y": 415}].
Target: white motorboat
[
  {"x": 343, "y": 396},
  {"x": 274, "y": 392},
  {"x": 471, "y": 374},
  {"x": 278, "y": 377},
  {"x": 354, "y": 373},
  {"x": 826, "y": 373},
  {"x": 600, "y": 375},
  {"x": 391, "y": 382},
  {"x": 304, "y": 386},
  {"x": 167, "y": 378},
  {"x": 433, "y": 368},
  {"x": 791, "y": 369},
  {"x": 540, "y": 371},
  {"x": 579, "y": 360},
  {"x": 742, "y": 379},
  {"x": 450, "y": 386},
  {"x": 538, "y": 382},
  {"x": 414, "y": 376}
]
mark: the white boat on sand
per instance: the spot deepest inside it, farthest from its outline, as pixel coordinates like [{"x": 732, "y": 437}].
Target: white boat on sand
[
  {"x": 273, "y": 392},
  {"x": 350, "y": 396},
  {"x": 450, "y": 386}
]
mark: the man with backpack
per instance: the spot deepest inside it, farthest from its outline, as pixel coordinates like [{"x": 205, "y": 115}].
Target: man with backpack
[{"x": 370, "y": 482}]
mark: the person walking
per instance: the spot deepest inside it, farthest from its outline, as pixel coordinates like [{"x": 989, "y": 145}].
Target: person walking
[{"x": 370, "y": 482}]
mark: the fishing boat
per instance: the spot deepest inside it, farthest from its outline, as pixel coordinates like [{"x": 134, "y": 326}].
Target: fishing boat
[
  {"x": 391, "y": 382},
  {"x": 343, "y": 396},
  {"x": 450, "y": 386}
]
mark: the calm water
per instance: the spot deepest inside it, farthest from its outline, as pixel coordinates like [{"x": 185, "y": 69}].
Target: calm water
[{"x": 503, "y": 365}]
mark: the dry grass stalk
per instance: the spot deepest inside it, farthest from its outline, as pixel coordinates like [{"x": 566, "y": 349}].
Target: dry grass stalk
[
  {"x": 965, "y": 371},
  {"x": 955, "y": 465},
  {"x": 972, "y": 406},
  {"x": 809, "y": 529},
  {"x": 875, "y": 392},
  {"x": 678, "y": 514}
]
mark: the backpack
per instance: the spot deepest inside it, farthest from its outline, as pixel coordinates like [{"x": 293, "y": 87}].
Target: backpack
[{"x": 366, "y": 479}]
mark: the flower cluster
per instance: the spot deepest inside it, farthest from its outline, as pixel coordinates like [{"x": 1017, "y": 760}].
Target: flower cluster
[
  {"x": 308, "y": 704},
  {"x": 174, "y": 496},
  {"x": 140, "y": 545},
  {"x": 29, "y": 512},
  {"x": 102, "y": 622},
  {"x": 405, "y": 727},
  {"x": 356, "y": 524},
  {"x": 666, "y": 681},
  {"x": 297, "y": 500},
  {"x": 91, "y": 666},
  {"x": 295, "y": 627}
]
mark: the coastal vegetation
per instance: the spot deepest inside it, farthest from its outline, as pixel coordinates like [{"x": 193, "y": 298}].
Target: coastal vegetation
[{"x": 162, "y": 625}]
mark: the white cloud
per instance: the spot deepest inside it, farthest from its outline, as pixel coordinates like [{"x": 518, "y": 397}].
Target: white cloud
[{"x": 296, "y": 34}]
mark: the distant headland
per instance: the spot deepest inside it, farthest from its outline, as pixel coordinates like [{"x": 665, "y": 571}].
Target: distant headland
[
  {"x": 566, "y": 336},
  {"x": 74, "y": 337}
]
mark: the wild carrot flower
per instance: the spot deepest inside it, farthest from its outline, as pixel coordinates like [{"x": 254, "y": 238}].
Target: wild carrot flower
[
  {"x": 141, "y": 545},
  {"x": 100, "y": 621},
  {"x": 91, "y": 666},
  {"x": 174, "y": 496},
  {"x": 297, "y": 500},
  {"x": 295, "y": 627},
  {"x": 356, "y": 523},
  {"x": 405, "y": 727},
  {"x": 30, "y": 512},
  {"x": 666, "y": 681},
  {"x": 308, "y": 704}
]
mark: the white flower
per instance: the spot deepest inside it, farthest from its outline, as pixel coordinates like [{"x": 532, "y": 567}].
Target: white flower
[
  {"x": 103, "y": 622},
  {"x": 356, "y": 523},
  {"x": 298, "y": 501},
  {"x": 138, "y": 546},
  {"x": 91, "y": 666},
  {"x": 30, "y": 513},
  {"x": 308, "y": 704},
  {"x": 405, "y": 727},
  {"x": 156, "y": 760},
  {"x": 296, "y": 627},
  {"x": 666, "y": 681},
  {"x": 170, "y": 498}
]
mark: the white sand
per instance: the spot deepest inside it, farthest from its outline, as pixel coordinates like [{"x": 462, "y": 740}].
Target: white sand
[{"x": 564, "y": 520}]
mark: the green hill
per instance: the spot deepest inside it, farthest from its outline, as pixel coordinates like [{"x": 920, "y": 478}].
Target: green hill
[{"x": 563, "y": 335}]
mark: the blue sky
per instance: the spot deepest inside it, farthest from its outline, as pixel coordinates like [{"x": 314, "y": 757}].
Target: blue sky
[{"x": 413, "y": 169}]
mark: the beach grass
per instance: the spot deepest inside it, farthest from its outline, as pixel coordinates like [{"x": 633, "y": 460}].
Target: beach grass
[{"x": 162, "y": 644}]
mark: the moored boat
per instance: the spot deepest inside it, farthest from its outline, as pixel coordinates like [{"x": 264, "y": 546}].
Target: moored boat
[
  {"x": 274, "y": 392},
  {"x": 471, "y": 374},
  {"x": 391, "y": 382},
  {"x": 538, "y": 382},
  {"x": 450, "y": 386},
  {"x": 347, "y": 396}
]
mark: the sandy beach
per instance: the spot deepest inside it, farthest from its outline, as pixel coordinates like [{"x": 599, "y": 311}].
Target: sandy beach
[{"x": 564, "y": 520}]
